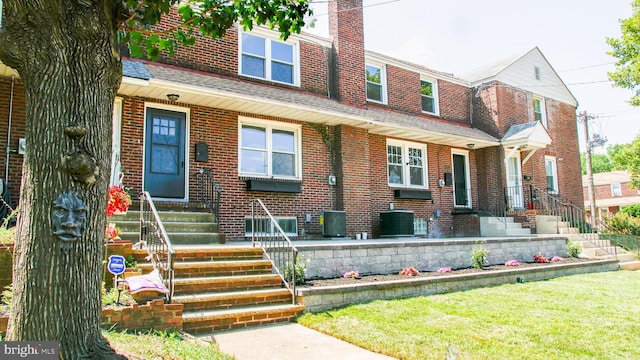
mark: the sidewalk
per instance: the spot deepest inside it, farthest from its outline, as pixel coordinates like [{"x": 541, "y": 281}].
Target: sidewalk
[{"x": 287, "y": 341}]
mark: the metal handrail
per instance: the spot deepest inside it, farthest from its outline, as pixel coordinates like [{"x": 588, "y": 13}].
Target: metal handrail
[
  {"x": 275, "y": 244},
  {"x": 564, "y": 211},
  {"x": 209, "y": 192},
  {"x": 159, "y": 248}
]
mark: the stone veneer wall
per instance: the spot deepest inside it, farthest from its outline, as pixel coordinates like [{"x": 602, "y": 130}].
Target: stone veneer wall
[{"x": 388, "y": 257}]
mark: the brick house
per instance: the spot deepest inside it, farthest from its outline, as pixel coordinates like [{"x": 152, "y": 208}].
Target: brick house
[
  {"x": 314, "y": 124},
  {"x": 612, "y": 192}
]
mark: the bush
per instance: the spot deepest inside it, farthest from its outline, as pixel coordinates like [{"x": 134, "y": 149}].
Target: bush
[
  {"x": 573, "y": 249},
  {"x": 479, "y": 255},
  {"x": 622, "y": 223},
  {"x": 111, "y": 297},
  {"x": 632, "y": 210},
  {"x": 7, "y": 297},
  {"x": 300, "y": 270}
]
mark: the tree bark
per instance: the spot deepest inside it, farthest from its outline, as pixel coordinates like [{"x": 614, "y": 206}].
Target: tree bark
[{"x": 65, "y": 51}]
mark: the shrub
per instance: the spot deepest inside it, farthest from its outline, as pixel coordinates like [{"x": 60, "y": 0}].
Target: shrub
[
  {"x": 7, "y": 297},
  {"x": 479, "y": 255},
  {"x": 573, "y": 249},
  {"x": 300, "y": 270},
  {"x": 632, "y": 210},
  {"x": 111, "y": 297}
]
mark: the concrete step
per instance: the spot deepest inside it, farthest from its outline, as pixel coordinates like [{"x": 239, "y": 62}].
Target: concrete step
[
  {"x": 169, "y": 226},
  {"x": 216, "y": 253},
  {"x": 192, "y": 269},
  {"x": 226, "y": 283},
  {"x": 183, "y": 238},
  {"x": 168, "y": 216},
  {"x": 217, "y": 320},
  {"x": 630, "y": 265},
  {"x": 495, "y": 220},
  {"x": 223, "y": 300}
]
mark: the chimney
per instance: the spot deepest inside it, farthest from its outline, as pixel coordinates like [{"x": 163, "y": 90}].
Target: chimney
[{"x": 347, "y": 30}]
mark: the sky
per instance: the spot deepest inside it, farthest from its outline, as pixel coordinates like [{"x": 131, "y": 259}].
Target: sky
[{"x": 457, "y": 36}]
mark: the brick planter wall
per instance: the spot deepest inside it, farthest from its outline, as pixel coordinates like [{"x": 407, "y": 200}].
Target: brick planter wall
[{"x": 153, "y": 315}]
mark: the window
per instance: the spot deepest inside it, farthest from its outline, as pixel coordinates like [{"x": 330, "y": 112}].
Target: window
[
  {"x": 551, "y": 170},
  {"x": 268, "y": 59},
  {"x": 616, "y": 189},
  {"x": 263, "y": 226},
  {"x": 407, "y": 164},
  {"x": 539, "y": 110},
  {"x": 536, "y": 70},
  {"x": 269, "y": 149},
  {"x": 376, "y": 83},
  {"x": 428, "y": 91},
  {"x": 420, "y": 227}
]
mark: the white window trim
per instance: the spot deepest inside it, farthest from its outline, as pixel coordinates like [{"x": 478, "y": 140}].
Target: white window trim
[
  {"x": 619, "y": 186},
  {"x": 554, "y": 161},
  {"x": 270, "y": 36},
  {"x": 383, "y": 81},
  {"x": 543, "y": 110},
  {"x": 434, "y": 86},
  {"x": 273, "y": 232},
  {"x": 405, "y": 167},
  {"x": 270, "y": 125}
]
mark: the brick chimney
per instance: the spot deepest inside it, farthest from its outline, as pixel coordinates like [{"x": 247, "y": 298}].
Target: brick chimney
[{"x": 347, "y": 30}]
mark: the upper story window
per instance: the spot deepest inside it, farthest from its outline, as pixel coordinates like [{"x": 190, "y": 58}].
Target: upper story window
[
  {"x": 269, "y": 149},
  {"x": 406, "y": 164},
  {"x": 376, "y": 83},
  {"x": 428, "y": 92},
  {"x": 539, "y": 110},
  {"x": 536, "y": 71},
  {"x": 269, "y": 59},
  {"x": 616, "y": 189},
  {"x": 551, "y": 170}
]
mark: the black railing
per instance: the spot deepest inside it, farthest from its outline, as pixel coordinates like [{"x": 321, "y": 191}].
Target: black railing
[
  {"x": 570, "y": 216},
  {"x": 276, "y": 245},
  {"x": 628, "y": 242},
  {"x": 209, "y": 192},
  {"x": 155, "y": 238}
]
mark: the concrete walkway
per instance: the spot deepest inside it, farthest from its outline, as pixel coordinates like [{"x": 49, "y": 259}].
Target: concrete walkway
[{"x": 287, "y": 341}]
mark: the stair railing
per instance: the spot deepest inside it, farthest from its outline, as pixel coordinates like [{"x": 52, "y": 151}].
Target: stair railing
[
  {"x": 565, "y": 211},
  {"x": 276, "y": 245},
  {"x": 209, "y": 192},
  {"x": 154, "y": 236}
]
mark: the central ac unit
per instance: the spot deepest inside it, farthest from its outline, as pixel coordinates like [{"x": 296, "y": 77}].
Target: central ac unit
[{"x": 334, "y": 223}]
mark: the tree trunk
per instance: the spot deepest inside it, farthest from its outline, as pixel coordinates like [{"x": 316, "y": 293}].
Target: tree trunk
[{"x": 66, "y": 54}]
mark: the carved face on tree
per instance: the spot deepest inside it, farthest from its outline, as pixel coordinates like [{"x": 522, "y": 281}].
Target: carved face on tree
[{"x": 68, "y": 218}]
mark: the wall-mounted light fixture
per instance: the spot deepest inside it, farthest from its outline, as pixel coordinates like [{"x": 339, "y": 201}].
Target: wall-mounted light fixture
[
  {"x": 470, "y": 146},
  {"x": 524, "y": 146},
  {"x": 173, "y": 97}
]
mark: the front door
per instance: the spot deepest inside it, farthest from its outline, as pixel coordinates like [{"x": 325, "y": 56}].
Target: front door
[
  {"x": 514, "y": 183},
  {"x": 461, "y": 188},
  {"x": 164, "y": 170}
]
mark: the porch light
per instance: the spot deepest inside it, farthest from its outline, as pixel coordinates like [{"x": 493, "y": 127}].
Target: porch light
[
  {"x": 173, "y": 97},
  {"x": 470, "y": 146}
]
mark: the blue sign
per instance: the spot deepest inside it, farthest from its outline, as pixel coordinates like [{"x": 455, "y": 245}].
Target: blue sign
[{"x": 116, "y": 264}]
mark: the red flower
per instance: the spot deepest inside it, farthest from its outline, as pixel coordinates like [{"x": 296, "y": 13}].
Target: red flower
[
  {"x": 540, "y": 259},
  {"x": 410, "y": 271},
  {"x": 118, "y": 201}
]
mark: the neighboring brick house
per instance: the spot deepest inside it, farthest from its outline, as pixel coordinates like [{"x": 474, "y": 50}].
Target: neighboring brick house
[
  {"x": 303, "y": 112},
  {"x": 612, "y": 192}
]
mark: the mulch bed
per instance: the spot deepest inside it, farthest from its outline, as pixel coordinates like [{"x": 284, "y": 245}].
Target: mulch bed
[{"x": 376, "y": 278}]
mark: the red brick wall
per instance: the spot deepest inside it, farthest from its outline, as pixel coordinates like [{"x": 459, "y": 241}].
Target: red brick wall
[
  {"x": 346, "y": 28},
  {"x": 454, "y": 101},
  {"x": 403, "y": 89},
  {"x": 17, "y": 131},
  {"x": 604, "y": 191},
  {"x": 153, "y": 315}
]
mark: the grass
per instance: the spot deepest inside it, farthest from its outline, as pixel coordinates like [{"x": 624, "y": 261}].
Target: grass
[
  {"x": 162, "y": 345},
  {"x": 592, "y": 316}
]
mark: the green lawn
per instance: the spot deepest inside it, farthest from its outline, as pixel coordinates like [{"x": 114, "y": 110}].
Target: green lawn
[
  {"x": 162, "y": 345},
  {"x": 593, "y": 316}
]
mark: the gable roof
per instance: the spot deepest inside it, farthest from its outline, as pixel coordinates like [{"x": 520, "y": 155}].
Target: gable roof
[
  {"x": 233, "y": 94},
  {"x": 532, "y": 134},
  {"x": 518, "y": 70}
]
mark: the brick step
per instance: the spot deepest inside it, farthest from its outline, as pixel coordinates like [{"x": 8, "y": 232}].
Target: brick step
[
  {"x": 223, "y": 300},
  {"x": 199, "y": 322},
  {"x": 216, "y": 253},
  {"x": 189, "y": 269},
  {"x": 226, "y": 283},
  {"x": 171, "y": 226},
  {"x": 182, "y": 238}
]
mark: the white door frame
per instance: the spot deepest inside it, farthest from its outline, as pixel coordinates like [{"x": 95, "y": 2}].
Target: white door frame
[
  {"x": 513, "y": 169},
  {"x": 464, "y": 153}
]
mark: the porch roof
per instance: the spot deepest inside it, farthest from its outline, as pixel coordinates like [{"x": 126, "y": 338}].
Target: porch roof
[
  {"x": 210, "y": 90},
  {"x": 531, "y": 135}
]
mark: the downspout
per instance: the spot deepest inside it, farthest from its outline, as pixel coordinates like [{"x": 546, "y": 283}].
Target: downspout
[{"x": 6, "y": 162}]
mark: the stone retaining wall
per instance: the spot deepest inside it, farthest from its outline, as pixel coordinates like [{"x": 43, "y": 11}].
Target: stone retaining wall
[
  {"x": 388, "y": 257},
  {"x": 325, "y": 298}
]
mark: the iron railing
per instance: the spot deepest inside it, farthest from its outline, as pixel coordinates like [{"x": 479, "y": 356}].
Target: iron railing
[
  {"x": 512, "y": 198},
  {"x": 276, "y": 245},
  {"x": 154, "y": 236},
  {"x": 209, "y": 192},
  {"x": 567, "y": 213}
]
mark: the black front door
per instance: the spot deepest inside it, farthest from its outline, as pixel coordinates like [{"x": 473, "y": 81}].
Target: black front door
[
  {"x": 165, "y": 154},
  {"x": 460, "y": 186}
]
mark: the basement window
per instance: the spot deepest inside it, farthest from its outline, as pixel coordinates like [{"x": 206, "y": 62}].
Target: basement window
[{"x": 263, "y": 226}]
